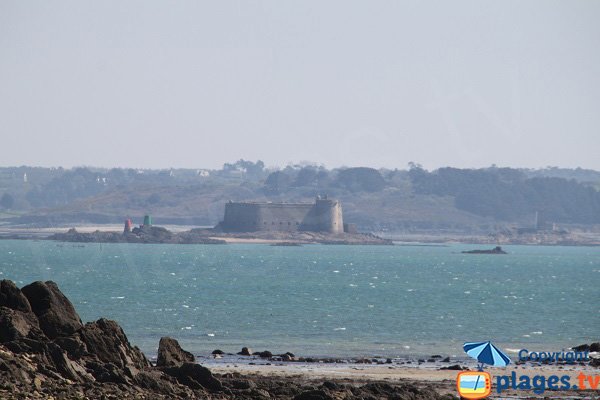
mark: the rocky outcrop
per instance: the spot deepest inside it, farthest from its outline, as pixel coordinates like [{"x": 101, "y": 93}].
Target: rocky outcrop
[
  {"x": 263, "y": 354},
  {"x": 55, "y": 313},
  {"x": 495, "y": 250},
  {"x": 44, "y": 343},
  {"x": 106, "y": 341},
  {"x": 170, "y": 353},
  {"x": 195, "y": 376},
  {"x": 12, "y": 297},
  {"x": 594, "y": 347},
  {"x": 15, "y": 324},
  {"x": 46, "y": 352},
  {"x": 143, "y": 234}
]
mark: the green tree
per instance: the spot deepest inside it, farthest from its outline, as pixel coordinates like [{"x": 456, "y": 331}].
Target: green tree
[{"x": 361, "y": 179}]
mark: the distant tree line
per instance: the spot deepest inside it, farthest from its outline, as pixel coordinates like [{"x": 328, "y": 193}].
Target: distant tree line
[
  {"x": 354, "y": 180},
  {"x": 505, "y": 194},
  {"x": 508, "y": 194}
]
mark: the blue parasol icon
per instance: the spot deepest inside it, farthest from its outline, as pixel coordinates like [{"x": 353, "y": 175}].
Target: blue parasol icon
[{"x": 486, "y": 353}]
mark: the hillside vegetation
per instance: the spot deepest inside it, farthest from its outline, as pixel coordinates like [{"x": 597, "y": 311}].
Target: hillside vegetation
[{"x": 397, "y": 200}]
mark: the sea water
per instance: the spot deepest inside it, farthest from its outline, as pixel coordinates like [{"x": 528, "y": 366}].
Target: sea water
[{"x": 324, "y": 300}]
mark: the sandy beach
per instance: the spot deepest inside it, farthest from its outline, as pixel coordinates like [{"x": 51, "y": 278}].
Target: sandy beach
[{"x": 443, "y": 381}]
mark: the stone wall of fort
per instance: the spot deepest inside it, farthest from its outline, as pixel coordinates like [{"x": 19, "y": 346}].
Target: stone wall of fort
[{"x": 325, "y": 215}]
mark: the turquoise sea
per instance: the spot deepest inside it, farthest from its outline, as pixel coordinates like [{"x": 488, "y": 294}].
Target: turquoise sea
[{"x": 323, "y": 300}]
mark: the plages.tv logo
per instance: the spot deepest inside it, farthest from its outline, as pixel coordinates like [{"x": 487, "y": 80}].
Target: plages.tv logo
[
  {"x": 474, "y": 384},
  {"x": 478, "y": 384}
]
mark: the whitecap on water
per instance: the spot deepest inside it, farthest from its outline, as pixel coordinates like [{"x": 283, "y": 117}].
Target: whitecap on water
[
  {"x": 210, "y": 334},
  {"x": 339, "y": 329},
  {"x": 186, "y": 328},
  {"x": 526, "y": 335},
  {"x": 118, "y": 297},
  {"x": 185, "y": 306},
  {"x": 467, "y": 292},
  {"x": 172, "y": 273},
  {"x": 537, "y": 333},
  {"x": 336, "y": 272},
  {"x": 352, "y": 285}
]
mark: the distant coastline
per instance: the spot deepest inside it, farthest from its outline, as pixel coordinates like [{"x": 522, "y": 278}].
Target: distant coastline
[
  {"x": 161, "y": 235},
  {"x": 185, "y": 234}
]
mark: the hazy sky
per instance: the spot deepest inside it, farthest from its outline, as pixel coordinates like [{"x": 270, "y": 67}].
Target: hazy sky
[{"x": 377, "y": 83}]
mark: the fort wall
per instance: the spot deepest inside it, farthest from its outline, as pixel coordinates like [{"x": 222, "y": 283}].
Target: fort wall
[{"x": 325, "y": 215}]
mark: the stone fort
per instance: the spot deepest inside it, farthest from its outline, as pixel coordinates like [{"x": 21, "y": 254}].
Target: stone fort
[{"x": 324, "y": 215}]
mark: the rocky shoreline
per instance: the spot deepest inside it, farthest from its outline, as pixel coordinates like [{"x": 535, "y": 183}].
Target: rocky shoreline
[
  {"x": 107, "y": 234},
  {"x": 143, "y": 234},
  {"x": 46, "y": 352},
  {"x": 159, "y": 235},
  {"x": 298, "y": 238}
]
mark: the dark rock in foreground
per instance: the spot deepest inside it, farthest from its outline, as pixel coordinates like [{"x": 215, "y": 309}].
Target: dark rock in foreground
[
  {"x": 195, "y": 376},
  {"x": 594, "y": 347},
  {"x": 45, "y": 351},
  {"x": 12, "y": 297},
  {"x": 170, "y": 353},
  {"x": 455, "y": 367},
  {"x": 55, "y": 313}
]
